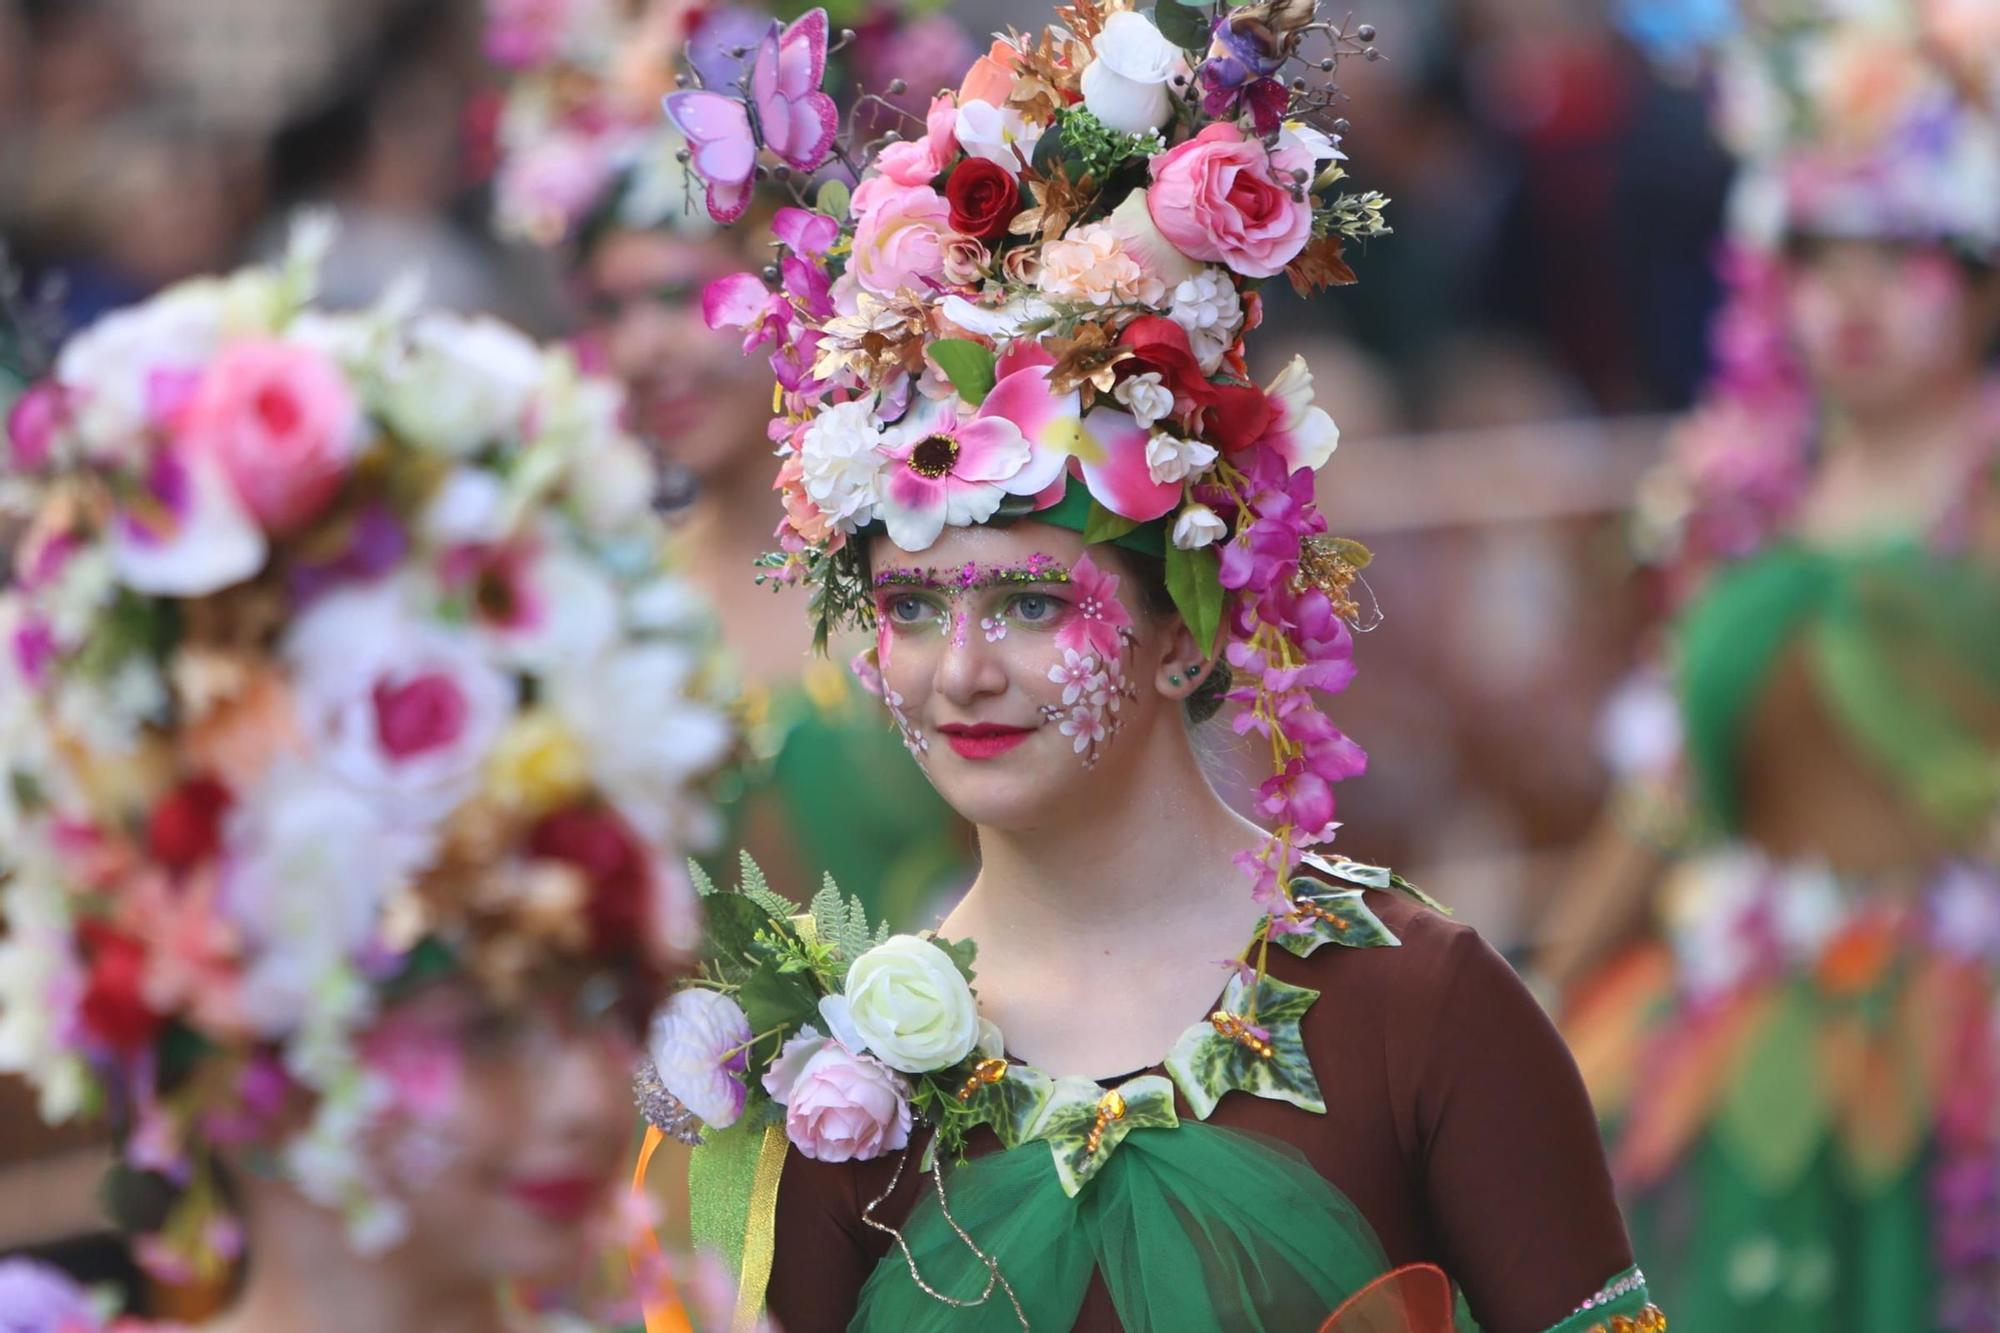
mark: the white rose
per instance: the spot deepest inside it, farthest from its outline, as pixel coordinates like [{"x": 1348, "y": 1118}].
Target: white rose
[
  {"x": 461, "y": 383},
  {"x": 841, "y": 465},
  {"x": 1170, "y": 459},
  {"x": 1147, "y": 397},
  {"x": 1126, "y": 85},
  {"x": 907, "y": 1001},
  {"x": 1198, "y": 526}
]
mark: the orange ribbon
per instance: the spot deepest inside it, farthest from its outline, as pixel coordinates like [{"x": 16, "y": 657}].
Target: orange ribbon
[{"x": 667, "y": 1314}]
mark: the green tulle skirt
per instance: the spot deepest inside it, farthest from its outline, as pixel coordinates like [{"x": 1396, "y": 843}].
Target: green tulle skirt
[{"x": 1191, "y": 1229}]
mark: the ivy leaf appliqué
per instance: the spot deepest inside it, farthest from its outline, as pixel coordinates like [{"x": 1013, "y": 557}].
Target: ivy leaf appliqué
[
  {"x": 1083, "y": 1123},
  {"x": 1208, "y": 1062}
]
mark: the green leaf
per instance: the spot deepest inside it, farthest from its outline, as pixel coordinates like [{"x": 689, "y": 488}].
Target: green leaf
[
  {"x": 1184, "y": 25},
  {"x": 1343, "y": 918},
  {"x": 1014, "y": 1104},
  {"x": 730, "y": 923},
  {"x": 962, "y": 954},
  {"x": 1194, "y": 581},
  {"x": 832, "y": 199},
  {"x": 758, "y": 890},
  {"x": 841, "y": 921},
  {"x": 1072, "y": 1112},
  {"x": 1205, "y": 1064},
  {"x": 772, "y": 999},
  {"x": 967, "y": 364},
  {"x": 704, "y": 886},
  {"x": 1105, "y": 526}
]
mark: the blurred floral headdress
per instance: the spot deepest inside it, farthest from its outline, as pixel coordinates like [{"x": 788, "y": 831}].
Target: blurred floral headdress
[
  {"x": 338, "y": 655},
  {"x": 1034, "y": 303}
]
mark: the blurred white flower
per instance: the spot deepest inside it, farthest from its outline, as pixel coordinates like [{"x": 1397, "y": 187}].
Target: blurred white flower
[{"x": 460, "y": 383}]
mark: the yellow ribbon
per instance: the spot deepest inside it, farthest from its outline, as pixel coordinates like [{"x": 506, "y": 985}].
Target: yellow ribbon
[{"x": 760, "y": 1239}]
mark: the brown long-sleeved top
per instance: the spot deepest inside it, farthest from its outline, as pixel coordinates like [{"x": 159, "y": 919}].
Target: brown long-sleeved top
[{"x": 1455, "y": 1122}]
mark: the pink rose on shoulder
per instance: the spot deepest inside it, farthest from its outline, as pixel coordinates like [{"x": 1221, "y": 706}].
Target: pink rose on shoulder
[
  {"x": 900, "y": 242},
  {"x": 839, "y": 1107},
  {"x": 918, "y": 161},
  {"x": 1218, "y": 198},
  {"x": 282, "y": 422}
]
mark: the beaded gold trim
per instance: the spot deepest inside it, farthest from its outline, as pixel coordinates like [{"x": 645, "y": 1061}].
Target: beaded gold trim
[{"x": 1649, "y": 1320}]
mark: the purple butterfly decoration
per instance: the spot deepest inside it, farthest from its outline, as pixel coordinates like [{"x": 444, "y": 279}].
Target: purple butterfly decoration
[{"x": 779, "y": 106}]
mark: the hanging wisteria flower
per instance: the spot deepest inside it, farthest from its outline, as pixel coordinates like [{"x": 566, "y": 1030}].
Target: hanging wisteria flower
[{"x": 700, "y": 1044}]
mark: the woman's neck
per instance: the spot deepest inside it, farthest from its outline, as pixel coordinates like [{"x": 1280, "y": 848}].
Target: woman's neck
[
  {"x": 304, "y": 1277},
  {"x": 1152, "y": 845},
  {"x": 1893, "y": 472}
]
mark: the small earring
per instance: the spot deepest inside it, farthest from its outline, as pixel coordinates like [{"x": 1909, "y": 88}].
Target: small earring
[{"x": 1173, "y": 678}]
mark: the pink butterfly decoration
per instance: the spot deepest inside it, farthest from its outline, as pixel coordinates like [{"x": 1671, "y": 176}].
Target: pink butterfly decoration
[{"x": 782, "y": 109}]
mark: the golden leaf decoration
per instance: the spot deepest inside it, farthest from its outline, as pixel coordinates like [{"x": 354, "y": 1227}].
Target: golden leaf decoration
[{"x": 1318, "y": 267}]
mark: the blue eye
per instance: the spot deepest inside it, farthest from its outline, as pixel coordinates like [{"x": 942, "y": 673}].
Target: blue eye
[
  {"x": 908, "y": 610},
  {"x": 1032, "y": 608}
]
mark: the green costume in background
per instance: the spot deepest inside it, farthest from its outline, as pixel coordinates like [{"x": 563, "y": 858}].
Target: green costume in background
[
  {"x": 830, "y": 771},
  {"x": 1801, "y": 1085}
]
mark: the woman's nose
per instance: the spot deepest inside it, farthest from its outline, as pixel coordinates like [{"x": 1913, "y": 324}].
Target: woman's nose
[{"x": 970, "y": 668}]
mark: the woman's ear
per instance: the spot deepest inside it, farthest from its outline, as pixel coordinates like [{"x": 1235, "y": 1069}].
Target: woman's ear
[{"x": 1182, "y": 666}]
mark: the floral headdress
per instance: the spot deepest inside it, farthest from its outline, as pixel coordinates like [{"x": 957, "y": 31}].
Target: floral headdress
[
  {"x": 338, "y": 655},
  {"x": 1867, "y": 119},
  {"x": 1035, "y": 305}
]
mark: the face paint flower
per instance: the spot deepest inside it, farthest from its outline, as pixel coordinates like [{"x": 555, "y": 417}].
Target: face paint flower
[{"x": 1101, "y": 621}]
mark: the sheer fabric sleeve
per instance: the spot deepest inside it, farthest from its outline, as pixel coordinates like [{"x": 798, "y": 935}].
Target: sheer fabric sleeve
[
  {"x": 822, "y": 1255},
  {"x": 1515, "y": 1182}
]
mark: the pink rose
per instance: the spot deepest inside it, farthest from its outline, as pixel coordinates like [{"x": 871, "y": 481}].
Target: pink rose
[
  {"x": 1217, "y": 198},
  {"x": 900, "y": 241},
  {"x": 918, "y": 161},
  {"x": 839, "y": 1107},
  {"x": 283, "y": 424}
]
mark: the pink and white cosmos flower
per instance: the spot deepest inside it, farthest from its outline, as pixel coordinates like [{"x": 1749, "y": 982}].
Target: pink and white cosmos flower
[{"x": 949, "y": 469}]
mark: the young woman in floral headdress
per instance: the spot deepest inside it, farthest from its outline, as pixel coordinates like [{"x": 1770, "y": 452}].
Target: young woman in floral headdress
[
  {"x": 1211, "y": 1077},
  {"x": 1802, "y": 1071},
  {"x": 352, "y": 748},
  {"x": 589, "y": 167}
]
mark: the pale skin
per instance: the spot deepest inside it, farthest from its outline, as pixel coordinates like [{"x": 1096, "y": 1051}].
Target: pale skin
[
  {"x": 1893, "y": 341},
  {"x": 531, "y": 1102},
  {"x": 1106, "y": 895}
]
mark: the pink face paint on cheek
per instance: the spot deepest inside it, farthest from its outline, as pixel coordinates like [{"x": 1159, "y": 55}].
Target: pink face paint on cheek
[{"x": 960, "y": 622}]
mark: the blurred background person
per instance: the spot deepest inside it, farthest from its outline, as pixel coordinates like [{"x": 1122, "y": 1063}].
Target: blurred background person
[
  {"x": 1799, "y": 1063},
  {"x": 589, "y": 166},
  {"x": 345, "y": 805}
]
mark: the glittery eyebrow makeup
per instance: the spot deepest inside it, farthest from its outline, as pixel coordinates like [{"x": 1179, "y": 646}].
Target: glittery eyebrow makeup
[{"x": 969, "y": 577}]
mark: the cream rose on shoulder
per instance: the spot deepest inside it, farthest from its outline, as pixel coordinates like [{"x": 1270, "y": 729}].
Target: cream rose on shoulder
[{"x": 906, "y": 1003}]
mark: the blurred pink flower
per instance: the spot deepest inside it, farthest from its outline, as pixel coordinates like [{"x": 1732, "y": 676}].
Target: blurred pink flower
[{"x": 281, "y": 420}]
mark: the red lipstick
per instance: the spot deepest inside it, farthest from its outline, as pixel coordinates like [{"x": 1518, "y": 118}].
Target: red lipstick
[
  {"x": 559, "y": 1198},
  {"x": 982, "y": 740}
]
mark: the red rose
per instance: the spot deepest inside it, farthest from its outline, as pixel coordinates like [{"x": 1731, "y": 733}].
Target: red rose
[
  {"x": 983, "y": 197},
  {"x": 186, "y": 827},
  {"x": 596, "y": 842},
  {"x": 114, "y": 1005}
]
